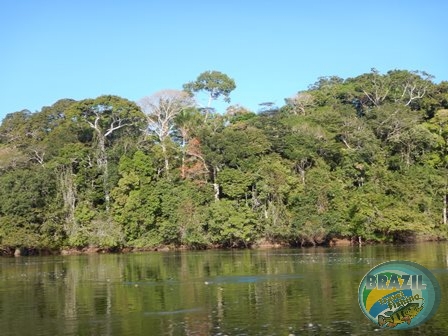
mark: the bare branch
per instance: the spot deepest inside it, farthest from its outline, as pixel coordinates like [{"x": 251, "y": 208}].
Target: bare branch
[
  {"x": 38, "y": 156},
  {"x": 300, "y": 102},
  {"x": 116, "y": 124},
  {"x": 161, "y": 108}
]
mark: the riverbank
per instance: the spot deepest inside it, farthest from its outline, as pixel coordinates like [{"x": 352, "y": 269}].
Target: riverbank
[{"x": 261, "y": 244}]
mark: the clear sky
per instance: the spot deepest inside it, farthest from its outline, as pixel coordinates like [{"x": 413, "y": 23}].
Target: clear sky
[{"x": 272, "y": 49}]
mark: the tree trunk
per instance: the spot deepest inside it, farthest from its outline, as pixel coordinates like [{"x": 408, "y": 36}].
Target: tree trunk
[
  {"x": 215, "y": 184},
  {"x": 103, "y": 165},
  {"x": 444, "y": 208},
  {"x": 68, "y": 191},
  {"x": 166, "y": 160},
  {"x": 182, "y": 170},
  {"x": 302, "y": 175}
]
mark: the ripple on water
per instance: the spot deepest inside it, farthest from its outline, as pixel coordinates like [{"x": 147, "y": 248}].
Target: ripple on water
[
  {"x": 235, "y": 279},
  {"x": 175, "y": 312}
]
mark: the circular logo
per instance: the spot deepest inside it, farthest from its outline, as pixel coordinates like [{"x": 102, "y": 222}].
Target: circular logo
[{"x": 399, "y": 295}]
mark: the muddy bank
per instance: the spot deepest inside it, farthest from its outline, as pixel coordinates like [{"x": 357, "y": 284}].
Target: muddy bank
[{"x": 261, "y": 244}]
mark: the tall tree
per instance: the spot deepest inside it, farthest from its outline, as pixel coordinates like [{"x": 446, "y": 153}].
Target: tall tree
[
  {"x": 161, "y": 109},
  {"x": 192, "y": 160},
  {"x": 215, "y": 84},
  {"x": 439, "y": 126},
  {"x": 106, "y": 115}
]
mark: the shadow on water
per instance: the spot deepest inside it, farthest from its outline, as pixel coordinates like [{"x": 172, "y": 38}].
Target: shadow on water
[{"x": 250, "y": 279}]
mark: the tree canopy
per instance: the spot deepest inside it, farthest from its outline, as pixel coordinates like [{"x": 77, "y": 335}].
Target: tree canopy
[
  {"x": 215, "y": 83},
  {"x": 362, "y": 158}
]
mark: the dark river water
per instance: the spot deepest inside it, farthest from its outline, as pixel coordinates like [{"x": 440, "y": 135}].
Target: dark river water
[{"x": 309, "y": 291}]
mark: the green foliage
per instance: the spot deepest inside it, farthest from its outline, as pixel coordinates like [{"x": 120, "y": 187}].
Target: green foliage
[
  {"x": 241, "y": 145},
  {"x": 215, "y": 83},
  {"x": 234, "y": 183},
  {"x": 359, "y": 157},
  {"x": 136, "y": 200},
  {"x": 106, "y": 113},
  {"x": 183, "y": 213},
  {"x": 25, "y": 201},
  {"x": 231, "y": 224}
]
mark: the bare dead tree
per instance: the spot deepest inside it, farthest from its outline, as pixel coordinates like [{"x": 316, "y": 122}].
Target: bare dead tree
[
  {"x": 161, "y": 108},
  {"x": 300, "y": 102}
]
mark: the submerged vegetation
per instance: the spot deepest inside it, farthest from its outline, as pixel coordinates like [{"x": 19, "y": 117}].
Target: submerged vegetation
[{"x": 358, "y": 158}]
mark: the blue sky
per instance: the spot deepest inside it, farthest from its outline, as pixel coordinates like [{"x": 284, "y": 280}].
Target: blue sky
[{"x": 82, "y": 49}]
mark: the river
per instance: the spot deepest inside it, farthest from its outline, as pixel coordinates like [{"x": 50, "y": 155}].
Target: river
[{"x": 309, "y": 291}]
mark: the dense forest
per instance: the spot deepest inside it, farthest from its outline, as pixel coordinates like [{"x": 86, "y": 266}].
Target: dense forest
[{"x": 361, "y": 158}]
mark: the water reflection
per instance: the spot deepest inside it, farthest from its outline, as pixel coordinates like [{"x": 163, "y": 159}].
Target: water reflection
[{"x": 261, "y": 292}]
